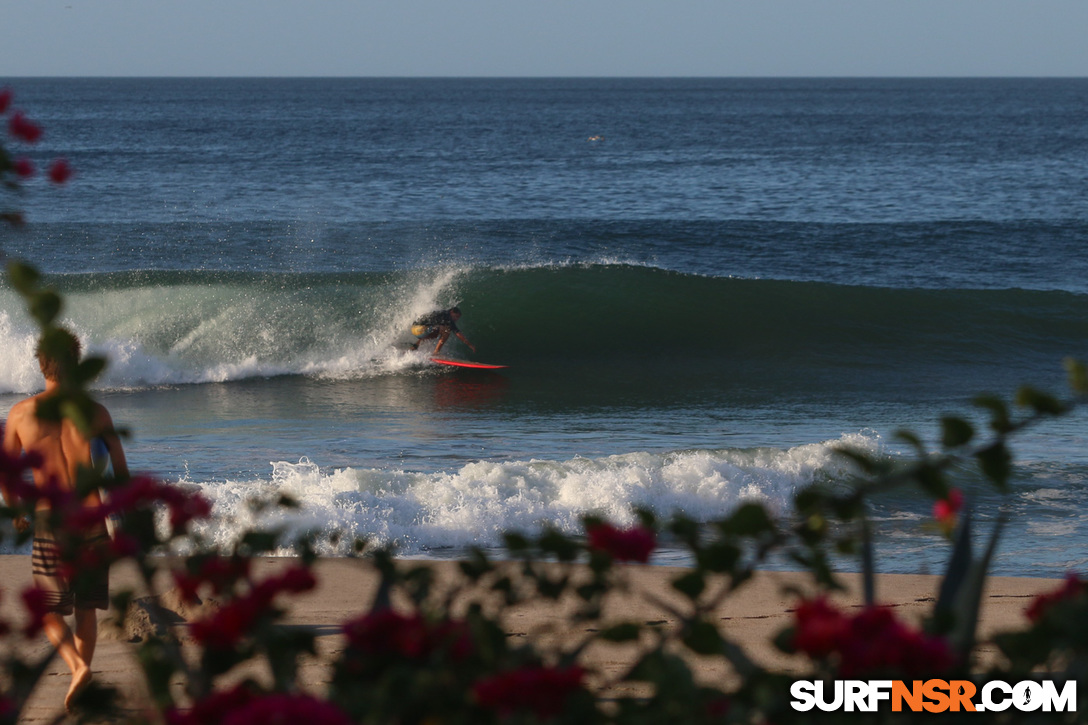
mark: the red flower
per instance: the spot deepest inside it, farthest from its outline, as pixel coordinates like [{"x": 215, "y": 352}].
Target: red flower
[
  {"x": 820, "y": 628},
  {"x": 84, "y": 518},
  {"x": 123, "y": 546},
  {"x": 946, "y": 510},
  {"x": 281, "y": 709},
  {"x": 142, "y": 491},
  {"x": 296, "y": 580},
  {"x": 634, "y": 544},
  {"x": 873, "y": 641},
  {"x": 60, "y": 171},
  {"x": 542, "y": 690},
  {"x": 24, "y": 168},
  {"x": 6, "y": 95},
  {"x": 212, "y": 709},
  {"x": 718, "y": 707},
  {"x": 387, "y": 633},
  {"x": 229, "y": 625},
  {"x": 242, "y": 705},
  {"x": 21, "y": 128},
  {"x": 221, "y": 572},
  {"x": 1071, "y": 589},
  {"x": 234, "y": 621}
]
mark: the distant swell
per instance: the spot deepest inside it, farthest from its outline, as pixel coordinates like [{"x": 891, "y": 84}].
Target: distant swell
[{"x": 191, "y": 327}]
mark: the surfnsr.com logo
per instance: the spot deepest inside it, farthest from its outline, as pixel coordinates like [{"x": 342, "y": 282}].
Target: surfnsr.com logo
[{"x": 933, "y": 696}]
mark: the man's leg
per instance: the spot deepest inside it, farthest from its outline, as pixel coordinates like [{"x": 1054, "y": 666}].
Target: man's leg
[
  {"x": 429, "y": 336},
  {"x": 56, "y": 629},
  {"x": 86, "y": 634}
]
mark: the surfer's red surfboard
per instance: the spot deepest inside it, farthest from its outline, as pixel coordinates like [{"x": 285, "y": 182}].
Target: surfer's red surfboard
[{"x": 464, "y": 364}]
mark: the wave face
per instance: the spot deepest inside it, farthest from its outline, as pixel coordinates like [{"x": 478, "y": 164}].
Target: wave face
[{"x": 166, "y": 328}]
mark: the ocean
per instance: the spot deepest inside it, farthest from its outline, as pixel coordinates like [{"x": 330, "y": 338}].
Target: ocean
[{"x": 700, "y": 288}]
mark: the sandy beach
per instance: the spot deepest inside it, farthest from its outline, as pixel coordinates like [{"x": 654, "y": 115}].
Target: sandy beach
[{"x": 750, "y": 617}]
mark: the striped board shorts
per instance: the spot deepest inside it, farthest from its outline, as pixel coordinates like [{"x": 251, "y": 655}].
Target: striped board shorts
[{"x": 91, "y": 588}]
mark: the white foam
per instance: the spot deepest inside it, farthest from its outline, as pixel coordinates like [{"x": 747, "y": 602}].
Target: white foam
[
  {"x": 18, "y": 369},
  {"x": 473, "y": 505},
  {"x": 209, "y": 333}
]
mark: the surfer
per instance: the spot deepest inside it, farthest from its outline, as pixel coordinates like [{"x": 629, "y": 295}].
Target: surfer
[
  {"x": 440, "y": 324},
  {"x": 63, "y": 450}
]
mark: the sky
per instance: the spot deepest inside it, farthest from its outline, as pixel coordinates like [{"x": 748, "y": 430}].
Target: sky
[{"x": 544, "y": 38}]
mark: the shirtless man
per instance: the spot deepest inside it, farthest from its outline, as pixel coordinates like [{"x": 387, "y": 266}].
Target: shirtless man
[{"x": 63, "y": 450}]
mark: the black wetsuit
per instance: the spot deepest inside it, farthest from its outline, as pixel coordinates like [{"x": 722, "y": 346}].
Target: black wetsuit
[{"x": 438, "y": 318}]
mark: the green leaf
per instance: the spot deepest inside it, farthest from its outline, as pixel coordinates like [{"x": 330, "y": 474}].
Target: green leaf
[
  {"x": 785, "y": 639},
  {"x": 719, "y": 557},
  {"x": 1078, "y": 376},
  {"x": 750, "y": 519},
  {"x": 89, "y": 369},
  {"x": 159, "y": 668},
  {"x": 848, "y": 508},
  {"x": 810, "y": 499},
  {"x": 476, "y": 565},
  {"x": 995, "y": 461},
  {"x": 1041, "y": 403},
  {"x": 703, "y": 638},
  {"x": 912, "y": 438},
  {"x": 515, "y": 541},
  {"x": 260, "y": 542},
  {"x": 625, "y": 632},
  {"x": 813, "y": 528},
  {"x": 686, "y": 530},
  {"x": 691, "y": 584},
  {"x": 24, "y": 278},
  {"x": 288, "y": 502},
  {"x": 669, "y": 672},
  {"x": 45, "y": 306},
  {"x": 555, "y": 542},
  {"x": 81, "y": 411},
  {"x": 49, "y": 409},
  {"x": 864, "y": 461},
  {"x": 552, "y": 588},
  {"x": 955, "y": 432},
  {"x": 999, "y": 412},
  {"x": 646, "y": 518}
]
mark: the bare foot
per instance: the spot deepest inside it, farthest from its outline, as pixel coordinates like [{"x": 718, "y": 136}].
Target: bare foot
[{"x": 80, "y": 679}]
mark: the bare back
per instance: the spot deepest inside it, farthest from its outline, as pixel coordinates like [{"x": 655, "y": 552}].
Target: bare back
[{"x": 63, "y": 449}]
